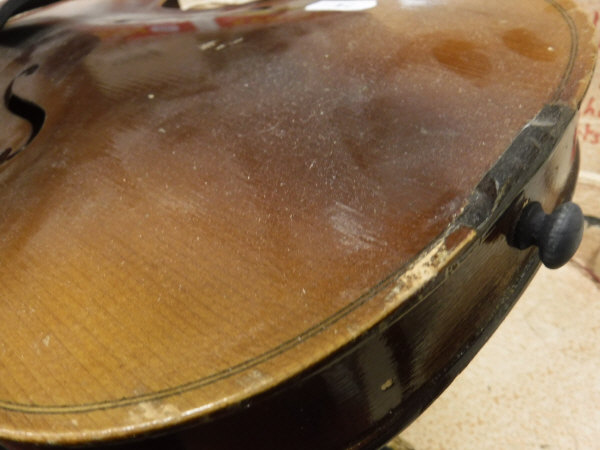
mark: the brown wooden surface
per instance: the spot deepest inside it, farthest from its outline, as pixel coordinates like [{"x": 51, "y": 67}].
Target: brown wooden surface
[
  {"x": 384, "y": 378},
  {"x": 208, "y": 213}
]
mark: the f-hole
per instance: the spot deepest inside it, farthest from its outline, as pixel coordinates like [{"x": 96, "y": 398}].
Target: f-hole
[
  {"x": 25, "y": 109},
  {"x": 13, "y": 7}
]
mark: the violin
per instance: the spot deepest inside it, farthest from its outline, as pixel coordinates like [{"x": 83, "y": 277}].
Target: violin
[{"x": 277, "y": 224}]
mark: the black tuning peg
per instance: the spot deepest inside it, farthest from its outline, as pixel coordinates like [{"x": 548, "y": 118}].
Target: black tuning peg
[{"x": 557, "y": 235}]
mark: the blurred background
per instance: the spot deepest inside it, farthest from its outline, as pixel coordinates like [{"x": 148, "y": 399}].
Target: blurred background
[{"x": 536, "y": 383}]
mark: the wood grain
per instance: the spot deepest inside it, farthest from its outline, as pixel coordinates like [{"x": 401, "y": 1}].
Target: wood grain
[{"x": 211, "y": 210}]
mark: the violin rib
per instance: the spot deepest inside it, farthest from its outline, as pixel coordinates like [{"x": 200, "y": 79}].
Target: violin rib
[{"x": 280, "y": 224}]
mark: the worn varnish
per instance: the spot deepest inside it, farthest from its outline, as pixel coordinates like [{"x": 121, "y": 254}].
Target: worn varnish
[{"x": 264, "y": 224}]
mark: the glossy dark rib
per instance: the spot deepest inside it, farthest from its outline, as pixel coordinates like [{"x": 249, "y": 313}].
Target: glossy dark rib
[{"x": 220, "y": 201}]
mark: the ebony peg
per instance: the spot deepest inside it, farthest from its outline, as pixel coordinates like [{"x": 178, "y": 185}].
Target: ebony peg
[{"x": 557, "y": 235}]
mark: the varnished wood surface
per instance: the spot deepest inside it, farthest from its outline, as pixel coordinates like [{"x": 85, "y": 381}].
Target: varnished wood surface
[
  {"x": 385, "y": 378},
  {"x": 214, "y": 205}
]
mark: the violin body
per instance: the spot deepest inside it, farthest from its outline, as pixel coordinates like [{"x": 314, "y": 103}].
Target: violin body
[{"x": 271, "y": 225}]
